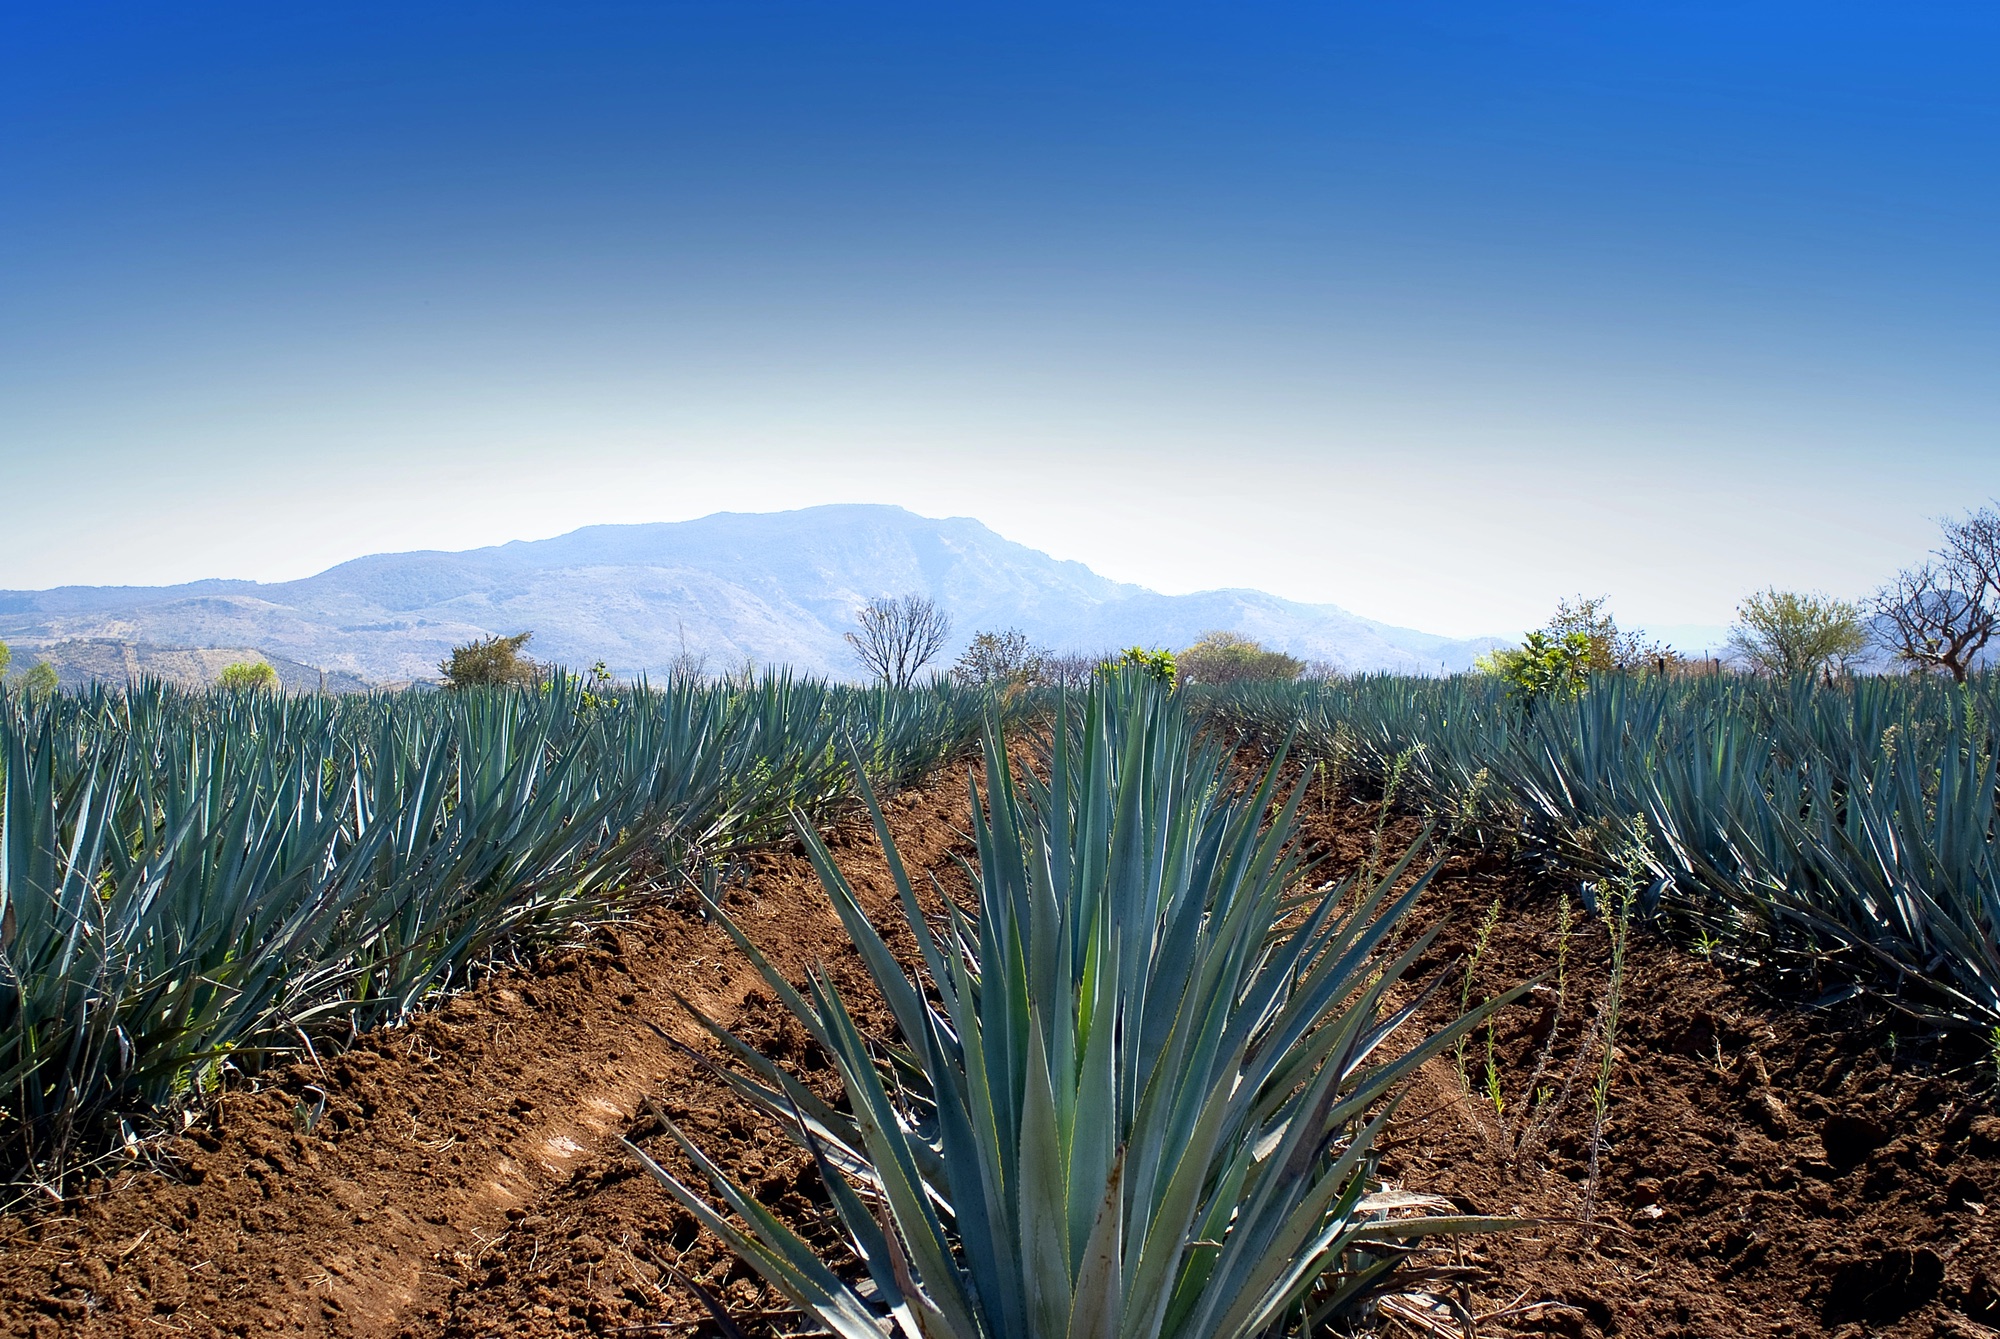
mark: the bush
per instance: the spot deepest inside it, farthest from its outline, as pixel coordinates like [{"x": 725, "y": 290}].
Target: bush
[
  {"x": 248, "y": 676},
  {"x": 1157, "y": 664},
  {"x": 1227, "y": 657},
  {"x": 1580, "y": 639},
  {"x": 1000, "y": 660},
  {"x": 1546, "y": 664},
  {"x": 1610, "y": 648},
  {"x": 39, "y": 680},
  {"x": 1783, "y": 633},
  {"x": 492, "y": 663}
]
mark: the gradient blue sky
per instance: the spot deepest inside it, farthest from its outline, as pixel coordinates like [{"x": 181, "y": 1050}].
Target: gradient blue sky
[{"x": 1434, "y": 311}]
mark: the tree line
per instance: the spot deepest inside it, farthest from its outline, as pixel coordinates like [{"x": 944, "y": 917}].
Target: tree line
[
  {"x": 1938, "y": 616},
  {"x": 896, "y": 639}
]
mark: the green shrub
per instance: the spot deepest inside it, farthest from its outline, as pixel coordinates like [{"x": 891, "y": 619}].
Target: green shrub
[
  {"x": 1000, "y": 660},
  {"x": 39, "y": 680},
  {"x": 1157, "y": 664},
  {"x": 1580, "y": 639},
  {"x": 248, "y": 676},
  {"x": 1544, "y": 665},
  {"x": 1784, "y": 633},
  {"x": 1611, "y": 648},
  {"x": 491, "y": 663},
  {"x": 1228, "y": 657}
]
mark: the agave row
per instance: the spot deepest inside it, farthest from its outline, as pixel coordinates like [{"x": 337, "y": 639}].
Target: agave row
[
  {"x": 1119, "y": 1104},
  {"x": 193, "y": 879},
  {"x": 1844, "y": 828}
]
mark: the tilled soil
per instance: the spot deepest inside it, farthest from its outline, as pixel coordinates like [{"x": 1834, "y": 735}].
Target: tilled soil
[
  {"x": 1762, "y": 1169},
  {"x": 465, "y": 1175}
]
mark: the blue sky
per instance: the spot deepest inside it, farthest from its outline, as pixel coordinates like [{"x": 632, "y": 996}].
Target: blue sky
[{"x": 1435, "y": 311}]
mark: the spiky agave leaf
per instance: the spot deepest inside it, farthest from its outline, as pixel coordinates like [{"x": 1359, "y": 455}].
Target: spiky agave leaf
[
  {"x": 1122, "y": 1108},
  {"x": 186, "y": 877},
  {"x": 1845, "y": 828}
]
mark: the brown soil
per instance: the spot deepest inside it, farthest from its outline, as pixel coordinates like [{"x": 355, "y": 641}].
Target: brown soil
[
  {"x": 1765, "y": 1170},
  {"x": 465, "y": 1177}
]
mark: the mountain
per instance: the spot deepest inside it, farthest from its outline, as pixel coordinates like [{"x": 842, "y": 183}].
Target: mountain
[{"x": 776, "y": 588}]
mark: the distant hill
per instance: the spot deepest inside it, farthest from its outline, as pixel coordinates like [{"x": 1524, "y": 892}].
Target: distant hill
[
  {"x": 776, "y": 588},
  {"x": 81, "y": 662}
]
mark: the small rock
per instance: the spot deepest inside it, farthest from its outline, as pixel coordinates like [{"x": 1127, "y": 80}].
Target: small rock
[{"x": 1769, "y": 1111}]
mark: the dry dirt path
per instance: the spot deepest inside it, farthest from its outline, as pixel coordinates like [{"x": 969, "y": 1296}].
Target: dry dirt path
[{"x": 441, "y": 1142}]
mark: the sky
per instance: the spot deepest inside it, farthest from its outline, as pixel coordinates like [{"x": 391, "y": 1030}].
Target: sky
[{"x": 1437, "y": 312}]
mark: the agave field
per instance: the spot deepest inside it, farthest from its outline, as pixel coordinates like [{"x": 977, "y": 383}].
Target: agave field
[
  {"x": 1843, "y": 832},
  {"x": 195, "y": 883},
  {"x": 1110, "y": 1035}
]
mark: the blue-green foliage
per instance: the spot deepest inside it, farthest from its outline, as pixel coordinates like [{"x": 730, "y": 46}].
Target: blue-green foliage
[
  {"x": 1850, "y": 825},
  {"x": 1125, "y": 1107},
  {"x": 192, "y": 878}
]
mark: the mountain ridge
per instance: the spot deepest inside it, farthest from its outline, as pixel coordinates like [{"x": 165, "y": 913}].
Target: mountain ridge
[{"x": 773, "y": 587}]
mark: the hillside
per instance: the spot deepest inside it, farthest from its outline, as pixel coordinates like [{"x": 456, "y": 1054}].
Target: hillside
[
  {"x": 776, "y": 588},
  {"x": 104, "y": 660}
]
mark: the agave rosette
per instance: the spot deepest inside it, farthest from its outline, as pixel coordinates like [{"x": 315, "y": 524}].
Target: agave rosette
[{"x": 1120, "y": 1102}]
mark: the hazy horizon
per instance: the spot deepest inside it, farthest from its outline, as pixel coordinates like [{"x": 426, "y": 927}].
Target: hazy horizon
[
  {"x": 1686, "y": 638},
  {"x": 1437, "y": 314}
]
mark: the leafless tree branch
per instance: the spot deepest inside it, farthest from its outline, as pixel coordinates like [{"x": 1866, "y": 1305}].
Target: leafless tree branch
[
  {"x": 1942, "y": 614},
  {"x": 897, "y": 638}
]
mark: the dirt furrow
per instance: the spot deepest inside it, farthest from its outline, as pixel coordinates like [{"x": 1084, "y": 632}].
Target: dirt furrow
[{"x": 370, "y": 1195}]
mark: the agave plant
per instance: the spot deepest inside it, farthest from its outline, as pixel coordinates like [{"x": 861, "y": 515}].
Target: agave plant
[
  {"x": 192, "y": 878},
  {"x": 150, "y": 919},
  {"x": 1843, "y": 829},
  {"x": 1134, "y": 1092}
]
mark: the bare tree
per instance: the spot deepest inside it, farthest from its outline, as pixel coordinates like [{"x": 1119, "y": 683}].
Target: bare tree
[
  {"x": 1972, "y": 548},
  {"x": 897, "y": 638},
  {"x": 687, "y": 667},
  {"x": 1072, "y": 669},
  {"x": 1930, "y": 620},
  {"x": 1942, "y": 613}
]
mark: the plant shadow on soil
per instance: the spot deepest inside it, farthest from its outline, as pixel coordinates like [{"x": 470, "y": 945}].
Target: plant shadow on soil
[{"x": 1765, "y": 1170}]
